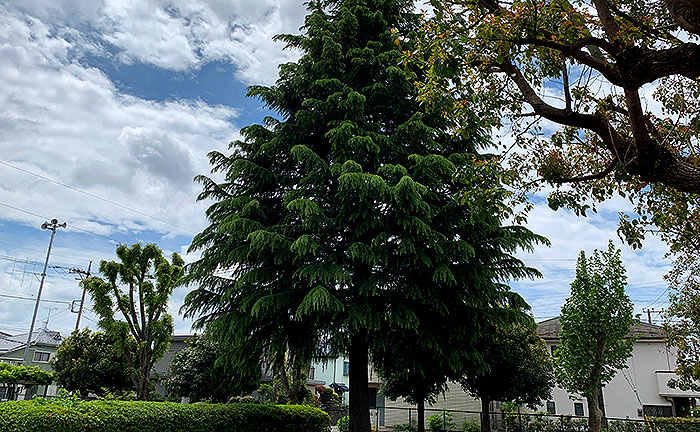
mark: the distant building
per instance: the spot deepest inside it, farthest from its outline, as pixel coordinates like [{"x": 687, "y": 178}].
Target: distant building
[
  {"x": 42, "y": 348},
  {"x": 640, "y": 389},
  {"x": 162, "y": 366}
]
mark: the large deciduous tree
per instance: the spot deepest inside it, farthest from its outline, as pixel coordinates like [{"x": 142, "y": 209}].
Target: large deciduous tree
[
  {"x": 88, "y": 361},
  {"x": 595, "y": 325},
  {"x": 519, "y": 369},
  {"x": 603, "y": 96},
  {"x": 131, "y": 299},
  {"x": 344, "y": 217}
]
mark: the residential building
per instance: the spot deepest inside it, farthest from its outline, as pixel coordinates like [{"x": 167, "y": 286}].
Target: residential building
[
  {"x": 336, "y": 371},
  {"x": 161, "y": 369},
  {"x": 42, "y": 347},
  {"x": 641, "y": 388}
]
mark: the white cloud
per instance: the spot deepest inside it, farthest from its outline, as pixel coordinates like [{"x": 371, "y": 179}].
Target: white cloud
[
  {"x": 569, "y": 235},
  {"x": 68, "y": 122},
  {"x": 181, "y": 34}
]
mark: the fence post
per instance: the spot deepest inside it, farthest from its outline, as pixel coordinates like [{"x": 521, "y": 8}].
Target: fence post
[
  {"x": 520, "y": 420},
  {"x": 410, "y": 424},
  {"x": 377, "y": 418}
]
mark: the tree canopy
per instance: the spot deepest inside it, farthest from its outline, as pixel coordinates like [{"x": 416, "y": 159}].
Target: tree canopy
[
  {"x": 89, "y": 361},
  {"x": 595, "y": 324},
  {"x": 195, "y": 374},
  {"x": 131, "y": 300},
  {"x": 603, "y": 97},
  {"x": 683, "y": 321},
  {"x": 519, "y": 368},
  {"x": 347, "y": 215},
  {"x": 26, "y": 375}
]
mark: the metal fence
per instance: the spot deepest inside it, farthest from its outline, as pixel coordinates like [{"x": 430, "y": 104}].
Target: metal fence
[{"x": 405, "y": 419}]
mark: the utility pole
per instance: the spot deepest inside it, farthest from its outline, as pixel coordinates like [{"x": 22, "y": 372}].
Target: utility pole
[
  {"x": 53, "y": 225},
  {"x": 82, "y": 274},
  {"x": 650, "y": 311}
]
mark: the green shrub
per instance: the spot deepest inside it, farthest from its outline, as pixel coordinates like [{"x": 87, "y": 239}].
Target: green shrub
[
  {"x": 441, "y": 422},
  {"x": 405, "y": 427},
  {"x": 344, "y": 424},
  {"x": 132, "y": 416},
  {"x": 471, "y": 426},
  {"x": 675, "y": 424}
]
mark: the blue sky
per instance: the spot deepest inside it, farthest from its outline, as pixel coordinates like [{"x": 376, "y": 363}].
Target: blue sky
[{"x": 123, "y": 99}]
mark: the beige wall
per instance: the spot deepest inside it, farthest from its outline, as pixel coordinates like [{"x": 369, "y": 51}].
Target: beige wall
[{"x": 630, "y": 388}]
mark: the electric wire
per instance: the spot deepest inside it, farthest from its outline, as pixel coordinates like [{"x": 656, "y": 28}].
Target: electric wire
[
  {"x": 71, "y": 226},
  {"x": 95, "y": 196}
]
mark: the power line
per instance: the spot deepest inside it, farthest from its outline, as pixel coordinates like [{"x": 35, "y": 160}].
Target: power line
[
  {"x": 96, "y": 196},
  {"x": 33, "y": 298},
  {"x": 72, "y": 226}
]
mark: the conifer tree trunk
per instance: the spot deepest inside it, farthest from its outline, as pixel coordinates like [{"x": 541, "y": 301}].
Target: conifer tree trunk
[
  {"x": 485, "y": 415},
  {"x": 359, "y": 391},
  {"x": 421, "y": 416}
]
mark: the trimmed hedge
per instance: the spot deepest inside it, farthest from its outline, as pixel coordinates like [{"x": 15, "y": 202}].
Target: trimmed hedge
[{"x": 127, "y": 416}]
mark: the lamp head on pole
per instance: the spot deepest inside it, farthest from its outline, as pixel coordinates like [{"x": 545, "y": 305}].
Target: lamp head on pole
[{"x": 53, "y": 225}]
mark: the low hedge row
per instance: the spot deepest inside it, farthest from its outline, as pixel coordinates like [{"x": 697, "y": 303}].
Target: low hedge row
[{"x": 126, "y": 416}]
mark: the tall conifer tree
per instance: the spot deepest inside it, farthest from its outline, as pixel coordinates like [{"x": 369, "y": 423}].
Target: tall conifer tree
[{"x": 341, "y": 220}]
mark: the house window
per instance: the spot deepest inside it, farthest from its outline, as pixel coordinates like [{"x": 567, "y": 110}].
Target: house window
[
  {"x": 346, "y": 368},
  {"x": 41, "y": 357},
  {"x": 312, "y": 373},
  {"x": 553, "y": 348},
  {"x": 658, "y": 410},
  {"x": 578, "y": 409},
  {"x": 551, "y": 407}
]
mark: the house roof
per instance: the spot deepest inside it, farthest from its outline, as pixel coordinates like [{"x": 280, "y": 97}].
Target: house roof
[
  {"x": 550, "y": 329},
  {"x": 39, "y": 336}
]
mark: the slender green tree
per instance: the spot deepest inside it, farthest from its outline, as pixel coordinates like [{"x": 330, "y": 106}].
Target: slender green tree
[
  {"x": 88, "y": 361},
  {"x": 519, "y": 369},
  {"x": 595, "y": 325},
  {"x": 346, "y": 216},
  {"x": 131, "y": 300},
  {"x": 683, "y": 318}
]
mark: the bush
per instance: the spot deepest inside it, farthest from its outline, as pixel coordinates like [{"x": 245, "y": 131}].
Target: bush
[
  {"x": 471, "y": 426},
  {"x": 123, "y": 416},
  {"x": 441, "y": 422},
  {"x": 675, "y": 424},
  {"x": 406, "y": 427},
  {"x": 344, "y": 424}
]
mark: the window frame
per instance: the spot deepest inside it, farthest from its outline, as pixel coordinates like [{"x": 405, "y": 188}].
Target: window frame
[{"x": 48, "y": 358}]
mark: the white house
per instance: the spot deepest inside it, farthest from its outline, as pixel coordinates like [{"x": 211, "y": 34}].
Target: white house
[{"x": 641, "y": 388}]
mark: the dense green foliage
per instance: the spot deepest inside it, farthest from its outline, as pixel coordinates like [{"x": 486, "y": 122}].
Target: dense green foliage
[
  {"x": 608, "y": 135},
  {"x": 683, "y": 320},
  {"x": 132, "y": 303},
  {"x": 535, "y": 423},
  {"x": 88, "y": 361},
  {"x": 339, "y": 222},
  {"x": 595, "y": 323},
  {"x": 519, "y": 368},
  {"x": 195, "y": 374},
  {"x": 119, "y": 416},
  {"x": 29, "y": 375}
]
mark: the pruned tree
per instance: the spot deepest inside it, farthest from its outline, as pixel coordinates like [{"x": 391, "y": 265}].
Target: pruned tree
[
  {"x": 324, "y": 209},
  {"x": 602, "y": 96},
  {"x": 594, "y": 342},
  {"x": 518, "y": 369},
  {"x": 131, "y": 299},
  {"x": 88, "y": 361}
]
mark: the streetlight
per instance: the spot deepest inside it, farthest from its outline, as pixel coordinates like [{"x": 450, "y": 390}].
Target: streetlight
[{"x": 53, "y": 225}]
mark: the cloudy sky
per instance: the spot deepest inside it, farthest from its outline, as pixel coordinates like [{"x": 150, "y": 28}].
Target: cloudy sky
[{"x": 107, "y": 112}]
